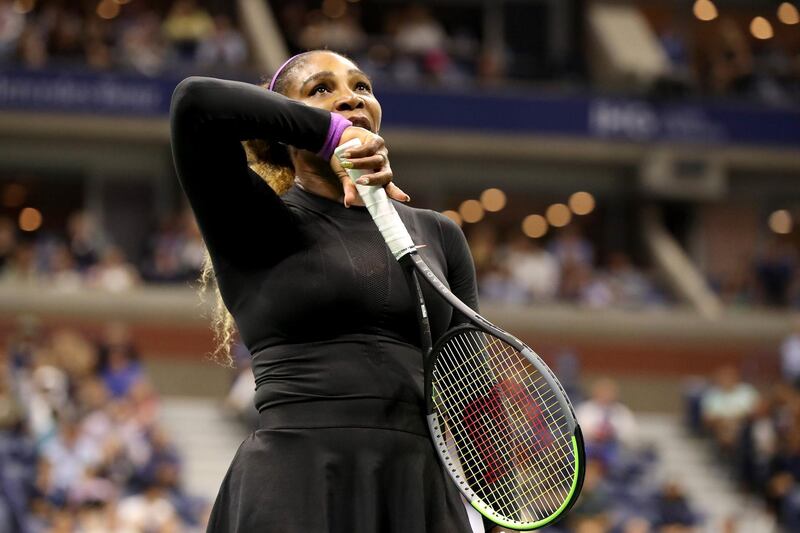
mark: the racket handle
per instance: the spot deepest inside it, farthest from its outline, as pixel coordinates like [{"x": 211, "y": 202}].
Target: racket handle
[{"x": 383, "y": 212}]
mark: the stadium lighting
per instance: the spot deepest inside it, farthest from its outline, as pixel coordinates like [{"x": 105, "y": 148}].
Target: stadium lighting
[
  {"x": 471, "y": 211},
  {"x": 30, "y": 219},
  {"x": 581, "y": 203},
  {"x": 107, "y": 9},
  {"x": 780, "y": 221},
  {"x": 788, "y": 14},
  {"x": 705, "y": 10},
  {"x": 761, "y": 28},
  {"x": 453, "y": 215},
  {"x": 558, "y": 215},
  {"x": 493, "y": 200},
  {"x": 534, "y": 226}
]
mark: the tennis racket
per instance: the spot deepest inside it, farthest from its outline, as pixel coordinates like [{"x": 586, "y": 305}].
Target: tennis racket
[{"x": 500, "y": 421}]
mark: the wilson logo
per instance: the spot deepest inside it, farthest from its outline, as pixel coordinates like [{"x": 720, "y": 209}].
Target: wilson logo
[{"x": 506, "y": 427}]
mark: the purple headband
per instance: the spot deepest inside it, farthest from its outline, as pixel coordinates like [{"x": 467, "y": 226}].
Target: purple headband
[{"x": 277, "y": 72}]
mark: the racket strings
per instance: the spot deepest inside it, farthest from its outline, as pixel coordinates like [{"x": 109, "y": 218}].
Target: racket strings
[
  {"x": 547, "y": 475},
  {"x": 504, "y": 426},
  {"x": 542, "y": 467}
]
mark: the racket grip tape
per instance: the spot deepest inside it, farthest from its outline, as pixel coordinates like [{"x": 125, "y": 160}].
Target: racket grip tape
[{"x": 380, "y": 208}]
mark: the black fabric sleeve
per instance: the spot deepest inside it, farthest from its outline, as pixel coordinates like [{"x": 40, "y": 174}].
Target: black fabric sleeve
[
  {"x": 243, "y": 222},
  {"x": 460, "y": 267}
]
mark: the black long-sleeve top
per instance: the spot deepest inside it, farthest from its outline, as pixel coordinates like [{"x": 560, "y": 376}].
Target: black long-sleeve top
[{"x": 317, "y": 297}]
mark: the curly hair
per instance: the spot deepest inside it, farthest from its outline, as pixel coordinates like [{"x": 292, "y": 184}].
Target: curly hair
[{"x": 273, "y": 164}]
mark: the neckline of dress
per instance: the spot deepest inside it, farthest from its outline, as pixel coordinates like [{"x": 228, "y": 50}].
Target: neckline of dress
[{"x": 315, "y": 202}]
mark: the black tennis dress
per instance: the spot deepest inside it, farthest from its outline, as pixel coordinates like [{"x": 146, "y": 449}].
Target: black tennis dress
[{"x": 324, "y": 309}]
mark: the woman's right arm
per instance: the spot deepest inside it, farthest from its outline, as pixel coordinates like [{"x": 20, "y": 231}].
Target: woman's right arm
[{"x": 209, "y": 118}]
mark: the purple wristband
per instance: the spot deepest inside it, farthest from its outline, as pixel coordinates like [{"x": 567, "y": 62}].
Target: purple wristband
[{"x": 338, "y": 125}]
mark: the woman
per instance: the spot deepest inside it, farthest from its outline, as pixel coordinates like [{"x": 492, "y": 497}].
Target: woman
[{"x": 319, "y": 302}]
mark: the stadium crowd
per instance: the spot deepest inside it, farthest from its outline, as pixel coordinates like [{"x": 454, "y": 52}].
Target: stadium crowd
[
  {"x": 80, "y": 445},
  {"x": 413, "y": 42},
  {"x": 756, "y": 434},
  {"x": 407, "y": 42},
  {"x": 140, "y": 36},
  {"x": 521, "y": 270},
  {"x": 511, "y": 269},
  {"x": 83, "y": 256},
  {"x": 621, "y": 494},
  {"x": 767, "y": 276}
]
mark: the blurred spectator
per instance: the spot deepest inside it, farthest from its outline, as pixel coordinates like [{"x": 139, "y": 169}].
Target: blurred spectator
[
  {"x": 784, "y": 474},
  {"x": 69, "y": 456},
  {"x": 143, "y": 47},
  {"x": 596, "y": 500},
  {"x": 775, "y": 270},
  {"x": 498, "y": 285},
  {"x": 113, "y": 273},
  {"x": 570, "y": 247},
  {"x": 672, "y": 510},
  {"x": 225, "y": 46},
  {"x": 85, "y": 238},
  {"x": 12, "y": 24},
  {"x": 731, "y": 60},
  {"x": 150, "y": 510},
  {"x": 176, "y": 251},
  {"x": 98, "y": 39},
  {"x": 628, "y": 285},
  {"x": 533, "y": 268},
  {"x": 64, "y": 30},
  {"x": 21, "y": 269},
  {"x": 758, "y": 444},
  {"x": 483, "y": 245},
  {"x": 790, "y": 355},
  {"x": 118, "y": 361},
  {"x": 32, "y": 48},
  {"x": 186, "y": 26},
  {"x": 8, "y": 240},
  {"x": 421, "y": 42},
  {"x": 737, "y": 288},
  {"x": 64, "y": 275},
  {"x": 673, "y": 40},
  {"x": 343, "y": 33},
  {"x": 607, "y": 424},
  {"x": 726, "y": 405}
]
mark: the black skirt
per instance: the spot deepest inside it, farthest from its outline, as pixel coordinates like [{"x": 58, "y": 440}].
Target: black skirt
[{"x": 339, "y": 466}]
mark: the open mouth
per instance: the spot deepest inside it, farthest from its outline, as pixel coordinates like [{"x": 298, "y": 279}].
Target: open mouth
[{"x": 361, "y": 122}]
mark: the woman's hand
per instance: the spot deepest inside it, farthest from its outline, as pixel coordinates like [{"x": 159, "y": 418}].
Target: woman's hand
[{"x": 372, "y": 156}]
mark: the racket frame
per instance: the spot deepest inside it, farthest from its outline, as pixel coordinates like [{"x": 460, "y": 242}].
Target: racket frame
[
  {"x": 413, "y": 264},
  {"x": 405, "y": 252}
]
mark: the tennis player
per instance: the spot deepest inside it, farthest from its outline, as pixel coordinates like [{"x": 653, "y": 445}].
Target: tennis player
[{"x": 322, "y": 306}]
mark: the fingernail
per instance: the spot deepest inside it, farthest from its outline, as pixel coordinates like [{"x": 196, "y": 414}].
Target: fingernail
[
  {"x": 346, "y": 155},
  {"x": 347, "y": 164},
  {"x": 408, "y": 198},
  {"x": 362, "y": 181}
]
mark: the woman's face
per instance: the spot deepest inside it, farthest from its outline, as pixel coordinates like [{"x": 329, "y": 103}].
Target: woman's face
[{"x": 331, "y": 82}]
